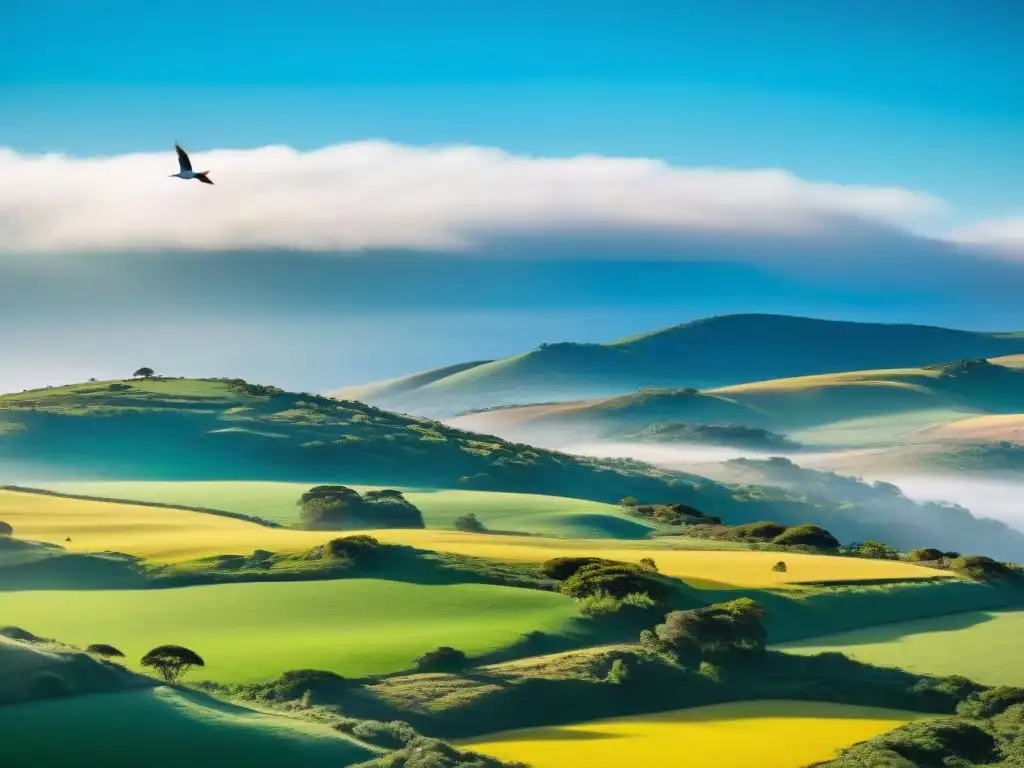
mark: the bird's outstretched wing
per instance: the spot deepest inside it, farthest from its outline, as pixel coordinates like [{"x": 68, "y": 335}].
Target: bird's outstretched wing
[{"x": 183, "y": 161}]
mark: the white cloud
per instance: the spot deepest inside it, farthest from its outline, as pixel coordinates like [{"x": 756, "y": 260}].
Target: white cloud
[
  {"x": 375, "y": 194},
  {"x": 1005, "y": 236}
]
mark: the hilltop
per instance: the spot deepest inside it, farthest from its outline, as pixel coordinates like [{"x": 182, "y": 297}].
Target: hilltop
[
  {"x": 713, "y": 352},
  {"x": 217, "y": 429}
]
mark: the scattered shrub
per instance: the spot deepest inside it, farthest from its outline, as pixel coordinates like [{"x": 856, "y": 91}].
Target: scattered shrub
[
  {"x": 925, "y": 554},
  {"x": 311, "y": 685},
  {"x": 617, "y": 579},
  {"x": 17, "y": 633},
  {"x": 875, "y": 550},
  {"x": 360, "y": 548},
  {"x": 598, "y": 604},
  {"x": 981, "y": 568},
  {"x": 469, "y": 523},
  {"x": 807, "y": 535},
  {"x": 715, "y": 630},
  {"x": 779, "y": 567},
  {"x": 649, "y": 564},
  {"x": 6, "y": 530},
  {"x": 990, "y": 702},
  {"x": 390, "y": 735},
  {"x": 561, "y": 568},
  {"x": 763, "y": 530},
  {"x": 629, "y": 501},
  {"x": 443, "y": 659},
  {"x": 338, "y": 506}
]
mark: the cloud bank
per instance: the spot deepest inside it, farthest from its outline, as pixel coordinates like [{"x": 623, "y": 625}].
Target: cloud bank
[
  {"x": 1001, "y": 235},
  {"x": 375, "y": 194}
]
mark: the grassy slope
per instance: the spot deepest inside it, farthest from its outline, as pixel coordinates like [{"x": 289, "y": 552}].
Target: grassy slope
[
  {"x": 168, "y": 535},
  {"x": 164, "y": 728},
  {"x": 190, "y": 430},
  {"x": 256, "y": 631},
  {"x": 762, "y": 734},
  {"x": 525, "y": 513},
  {"x": 761, "y": 347},
  {"x": 215, "y": 430},
  {"x": 984, "y": 646},
  {"x": 851, "y": 408},
  {"x": 22, "y": 664}
]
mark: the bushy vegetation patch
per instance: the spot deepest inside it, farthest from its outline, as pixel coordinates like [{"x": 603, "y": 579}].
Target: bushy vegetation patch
[{"x": 340, "y": 507}]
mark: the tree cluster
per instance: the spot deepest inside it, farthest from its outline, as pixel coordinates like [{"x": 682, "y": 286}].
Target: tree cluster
[
  {"x": 714, "y": 631},
  {"x": 337, "y": 507}
]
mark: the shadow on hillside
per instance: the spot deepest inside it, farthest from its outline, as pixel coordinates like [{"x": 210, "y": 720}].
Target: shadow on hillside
[
  {"x": 829, "y": 611},
  {"x": 890, "y": 632}
]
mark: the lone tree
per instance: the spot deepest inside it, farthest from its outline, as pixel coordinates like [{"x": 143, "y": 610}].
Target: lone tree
[
  {"x": 104, "y": 650},
  {"x": 469, "y": 523},
  {"x": 779, "y": 567},
  {"x": 171, "y": 662},
  {"x": 144, "y": 373},
  {"x": 6, "y": 531}
]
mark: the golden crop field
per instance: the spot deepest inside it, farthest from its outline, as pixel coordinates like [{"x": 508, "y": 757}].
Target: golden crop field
[
  {"x": 752, "y": 734},
  {"x": 169, "y": 535}
]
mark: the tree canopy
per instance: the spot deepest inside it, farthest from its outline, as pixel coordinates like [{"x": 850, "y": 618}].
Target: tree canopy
[
  {"x": 145, "y": 373},
  {"x": 469, "y": 522},
  {"x": 336, "y": 507},
  {"x": 107, "y": 651},
  {"x": 715, "y": 630},
  {"x": 6, "y": 529},
  {"x": 171, "y": 662}
]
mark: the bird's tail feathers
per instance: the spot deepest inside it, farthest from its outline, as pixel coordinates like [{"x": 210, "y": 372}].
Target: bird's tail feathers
[{"x": 203, "y": 177}]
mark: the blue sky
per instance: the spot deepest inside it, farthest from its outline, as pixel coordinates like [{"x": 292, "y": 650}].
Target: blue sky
[
  {"x": 915, "y": 93},
  {"x": 919, "y": 95}
]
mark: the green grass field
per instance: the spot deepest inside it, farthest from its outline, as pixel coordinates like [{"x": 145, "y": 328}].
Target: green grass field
[
  {"x": 984, "y": 646},
  {"x": 520, "y": 512},
  {"x": 755, "y": 734},
  {"x": 256, "y": 631},
  {"x": 164, "y": 728}
]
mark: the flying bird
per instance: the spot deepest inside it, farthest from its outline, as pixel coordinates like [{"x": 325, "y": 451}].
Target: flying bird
[{"x": 185, "y": 167}]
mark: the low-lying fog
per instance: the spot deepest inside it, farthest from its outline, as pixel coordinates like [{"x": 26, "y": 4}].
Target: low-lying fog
[{"x": 1001, "y": 500}]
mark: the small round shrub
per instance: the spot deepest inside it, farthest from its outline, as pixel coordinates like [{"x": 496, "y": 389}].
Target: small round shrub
[
  {"x": 443, "y": 659},
  {"x": 924, "y": 554},
  {"x": 469, "y": 523},
  {"x": 807, "y": 535}
]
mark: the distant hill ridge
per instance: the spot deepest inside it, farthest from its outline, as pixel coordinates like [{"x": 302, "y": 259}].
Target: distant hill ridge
[{"x": 712, "y": 352}]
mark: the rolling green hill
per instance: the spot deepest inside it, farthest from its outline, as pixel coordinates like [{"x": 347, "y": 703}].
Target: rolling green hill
[
  {"x": 519, "y": 512},
  {"x": 178, "y": 429},
  {"x": 229, "y": 430},
  {"x": 851, "y": 409},
  {"x": 713, "y": 352},
  {"x": 165, "y": 728}
]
